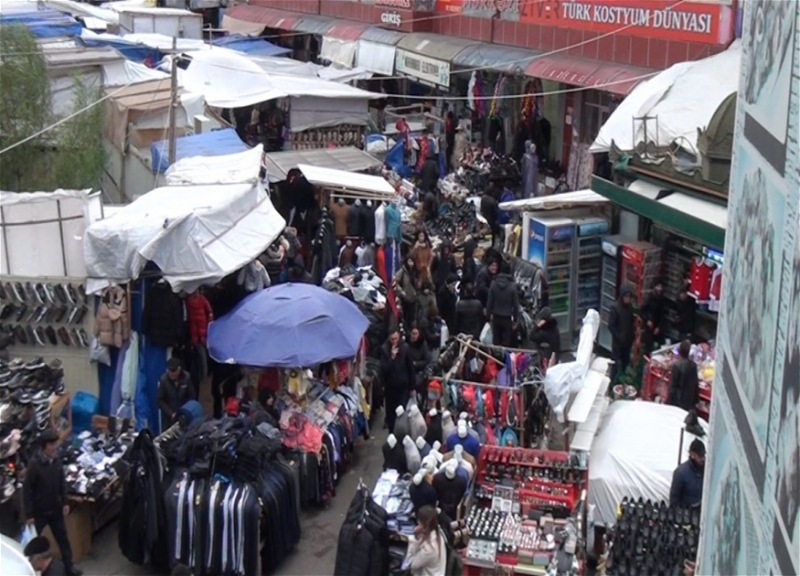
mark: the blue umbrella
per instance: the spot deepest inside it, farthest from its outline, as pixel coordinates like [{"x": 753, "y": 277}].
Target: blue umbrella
[{"x": 288, "y": 326}]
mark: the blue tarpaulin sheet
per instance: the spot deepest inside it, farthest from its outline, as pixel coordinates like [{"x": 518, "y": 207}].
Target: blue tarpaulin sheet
[
  {"x": 216, "y": 143},
  {"x": 44, "y": 23},
  {"x": 131, "y": 50},
  {"x": 252, "y": 46}
]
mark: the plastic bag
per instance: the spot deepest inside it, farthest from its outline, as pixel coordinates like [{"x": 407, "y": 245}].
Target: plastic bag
[
  {"x": 28, "y": 533},
  {"x": 99, "y": 353},
  {"x": 486, "y": 334}
]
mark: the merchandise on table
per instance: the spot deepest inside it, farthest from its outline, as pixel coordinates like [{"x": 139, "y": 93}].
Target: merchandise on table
[
  {"x": 91, "y": 462},
  {"x": 344, "y": 135},
  {"x": 659, "y": 371},
  {"x": 652, "y": 538}
]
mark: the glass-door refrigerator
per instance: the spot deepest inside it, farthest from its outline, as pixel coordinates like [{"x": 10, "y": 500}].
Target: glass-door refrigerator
[
  {"x": 550, "y": 245},
  {"x": 611, "y": 247},
  {"x": 588, "y": 267}
]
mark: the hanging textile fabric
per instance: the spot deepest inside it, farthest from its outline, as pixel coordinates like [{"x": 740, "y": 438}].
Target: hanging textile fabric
[{"x": 363, "y": 538}]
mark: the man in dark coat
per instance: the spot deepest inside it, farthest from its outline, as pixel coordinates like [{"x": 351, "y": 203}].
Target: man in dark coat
[
  {"x": 174, "y": 390},
  {"x": 45, "y": 497},
  {"x": 653, "y": 314},
  {"x": 469, "y": 313},
  {"x": 684, "y": 385},
  {"x": 502, "y": 308},
  {"x": 469, "y": 268},
  {"x": 687, "y": 480},
  {"x": 443, "y": 265},
  {"x": 621, "y": 324},
  {"x": 490, "y": 211},
  {"x": 397, "y": 370},
  {"x": 687, "y": 314},
  {"x": 38, "y": 553},
  {"x": 484, "y": 279},
  {"x": 547, "y": 332},
  {"x": 429, "y": 174},
  {"x": 446, "y": 300}
]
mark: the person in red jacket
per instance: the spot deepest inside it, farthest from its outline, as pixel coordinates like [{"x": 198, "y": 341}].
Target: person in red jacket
[{"x": 199, "y": 314}]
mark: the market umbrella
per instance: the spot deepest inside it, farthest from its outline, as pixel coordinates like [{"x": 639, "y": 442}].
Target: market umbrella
[{"x": 288, "y": 326}]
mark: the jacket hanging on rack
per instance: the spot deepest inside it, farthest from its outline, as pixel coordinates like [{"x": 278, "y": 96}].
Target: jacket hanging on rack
[{"x": 363, "y": 538}]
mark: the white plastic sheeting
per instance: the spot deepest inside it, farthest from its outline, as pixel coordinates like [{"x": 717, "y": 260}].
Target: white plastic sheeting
[
  {"x": 227, "y": 169},
  {"x": 42, "y": 232},
  {"x": 308, "y": 112},
  {"x": 126, "y": 72},
  {"x": 683, "y": 98},
  {"x": 338, "y": 51},
  {"x": 196, "y": 235},
  {"x": 376, "y": 57},
  {"x": 634, "y": 454},
  {"x": 340, "y": 179},
  {"x": 567, "y": 378},
  {"x": 555, "y": 201}
]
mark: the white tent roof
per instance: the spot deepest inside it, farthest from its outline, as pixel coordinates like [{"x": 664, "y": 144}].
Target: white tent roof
[
  {"x": 683, "y": 98},
  {"x": 634, "y": 454},
  {"x": 195, "y": 234},
  {"x": 341, "y": 179},
  {"x": 555, "y": 201},
  {"x": 226, "y": 169},
  {"x": 126, "y": 72}
]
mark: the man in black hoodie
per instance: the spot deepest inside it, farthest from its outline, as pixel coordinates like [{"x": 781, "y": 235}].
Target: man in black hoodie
[
  {"x": 484, "y": 279},
  {"x": 469, "y": 268},
  {"x": 653, "y": 315},
  {"x": 621, "y": 324},
  {"x": 490, "y": 211},
  {"x": 547, "y": 332},
  {"x": 687, "y": 314},
  {"x": 469, "y": 313},
  {"x": 397, "y": 371},
  {"x": 45, "y": 497},
  {"x": 502, "y": 308},
  {"x": 446, "y": 300}
]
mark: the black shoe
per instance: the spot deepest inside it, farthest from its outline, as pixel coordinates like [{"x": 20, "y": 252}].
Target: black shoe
[
  {"x": 61, "y": 294},
  {"x": 52, "y": 337},
  {"x": 60, "y": 314},
  {"x": 81, "y": 314},
  {"x": 63, "y": 335}
]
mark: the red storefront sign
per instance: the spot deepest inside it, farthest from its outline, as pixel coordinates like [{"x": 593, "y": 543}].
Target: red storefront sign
[{"x": 702, "y": 22}]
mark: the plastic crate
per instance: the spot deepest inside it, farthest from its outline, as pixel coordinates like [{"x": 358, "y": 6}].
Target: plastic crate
[{"x": 655, "y": 384}]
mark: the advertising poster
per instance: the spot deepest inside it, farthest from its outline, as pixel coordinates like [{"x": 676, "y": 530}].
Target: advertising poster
[
  {"x": 536, "y": 243},
  {"x": 752, "y": 482}
]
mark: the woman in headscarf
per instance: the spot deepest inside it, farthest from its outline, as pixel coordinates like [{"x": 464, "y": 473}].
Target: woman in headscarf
[
  {"x": 530, "y": 171},
  {"x": 422, "y": 255}
]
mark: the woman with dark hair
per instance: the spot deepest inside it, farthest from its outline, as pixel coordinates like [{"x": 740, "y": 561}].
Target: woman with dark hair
[
  {"x": 405, "y": 285},
  {"x": 423, "y": 256},
  {"x": 427, "y": 552}
]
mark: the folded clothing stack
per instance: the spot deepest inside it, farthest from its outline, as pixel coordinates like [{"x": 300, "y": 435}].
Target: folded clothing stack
[{"x": 92, "y": 461}]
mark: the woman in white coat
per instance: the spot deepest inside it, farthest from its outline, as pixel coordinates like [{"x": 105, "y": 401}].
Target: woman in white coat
[{"x": 427, "y": 552}]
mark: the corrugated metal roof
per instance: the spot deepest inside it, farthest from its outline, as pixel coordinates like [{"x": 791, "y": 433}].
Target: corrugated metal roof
[
  {"x": 436, "y": 46},
  {"x": 495, "y": 57},
  {"x": 382, "y": 36}
]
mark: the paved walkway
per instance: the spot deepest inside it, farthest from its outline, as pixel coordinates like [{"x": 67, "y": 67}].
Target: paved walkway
[{"x": 315, "y": 554}]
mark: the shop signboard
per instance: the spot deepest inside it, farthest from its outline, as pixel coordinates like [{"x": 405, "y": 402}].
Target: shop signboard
[
  {"x": 413, "y": 5},
  {"x": 427, "y": 70},
  {"x": 702, "y": 22},
  {"x": 391, "y": 18}
]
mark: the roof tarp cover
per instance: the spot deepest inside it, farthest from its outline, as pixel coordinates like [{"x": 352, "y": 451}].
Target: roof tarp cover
[
  {"x": 436, "y": 46},
  {"x": 42, "y": 23},
  {"x": 243, "y": 27},
  {"x": 339, "y": 179},
  {"x": 254, "y": 46},
  {"x": 555, "y": 201},
  {"x": 42, "y": 232},
  {"x": 125, "y": 73},
  {"x": 214, "y": 143},
  {"x": 382, "y": 35},
  {"x": 312, "y": 24},
  {"x": 634, "y": 454},
  {"x": 683, "y": 97},
  {"x": 348, "y": 159},
  {"x": 129, "y": 103},
  {"x": 265, "y": 17},
  {"x": 376, "y": 57},
  {"x": 495, "y": 57},
  {"x": 196, "y": 235},
  {"x": 222, "y": 169},
  {"x": 338, "y": 51}
]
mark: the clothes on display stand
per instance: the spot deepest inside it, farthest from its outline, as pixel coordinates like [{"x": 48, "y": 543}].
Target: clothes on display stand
[
  {"x": 363, "y": 544},
  {"x": 164, "y": 317}
]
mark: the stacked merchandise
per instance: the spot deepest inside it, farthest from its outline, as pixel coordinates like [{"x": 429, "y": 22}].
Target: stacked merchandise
[
  {"x": 92, "y": 460},
  {"x": 659, "y": 370},
  {"x": 391, "y": 493},
  {"x": 43, "y": 314},
  {"x": 230, "y": 501},
  {"x": 528, "y": 510},
  {"x": 363, "y": 547},
  {"x": 652, "y": 538},
  {"x": 32, "y": 397},
  {"x": 344, "y": 135}
]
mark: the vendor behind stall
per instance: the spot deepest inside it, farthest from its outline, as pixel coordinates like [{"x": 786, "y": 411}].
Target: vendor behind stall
[{"x": 174, "y": 390}]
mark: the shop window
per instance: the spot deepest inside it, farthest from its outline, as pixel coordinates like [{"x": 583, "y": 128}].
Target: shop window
[{"x": 597, "y": 108}]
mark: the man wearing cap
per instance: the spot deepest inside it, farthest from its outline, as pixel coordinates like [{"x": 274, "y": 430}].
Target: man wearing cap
[
  {"x": 45, "y": 498},
  {"x": 687, "y": 480},
  {"x": 38, "y": 553},
  {"x": 174, "y": 390}
]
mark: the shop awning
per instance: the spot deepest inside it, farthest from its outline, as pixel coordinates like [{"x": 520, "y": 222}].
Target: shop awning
[
  {"x": 382, "y": 36},
  {"x": 615, "y": 78},
  {"x": 495, "y": 57},
  {"x": 311, "y": 24},
  {"x": 244, "y": 16},
  {"x": 702, "y": 220},
  {"x": 347, "y": 158},
  {"x": 347, "y": 181},
  {"x": 345, "y": 30},
  {"x": 555, "y": 202},
  {"x": 337, "y": 51},
  {"x": 376, "y": 57},
  {"x": 436, "y": 46}
]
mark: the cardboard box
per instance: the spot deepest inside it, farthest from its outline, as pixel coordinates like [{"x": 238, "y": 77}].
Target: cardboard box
[{"x": 79, "y": 530}]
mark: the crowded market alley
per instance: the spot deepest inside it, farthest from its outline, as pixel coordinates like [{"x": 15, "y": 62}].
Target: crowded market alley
[{"x": 399, "y": 287}]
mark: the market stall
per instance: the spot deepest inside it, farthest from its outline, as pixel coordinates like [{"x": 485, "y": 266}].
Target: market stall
[{"x": 658, "y": 372}]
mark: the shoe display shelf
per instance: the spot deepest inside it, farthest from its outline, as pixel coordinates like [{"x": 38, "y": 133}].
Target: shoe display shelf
[
  {"x": 524, "y": 499},
  {"x": 641, "y": 266}
]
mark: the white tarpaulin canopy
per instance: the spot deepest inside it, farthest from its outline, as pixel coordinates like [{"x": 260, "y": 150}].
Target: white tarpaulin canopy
[
  {"x": 196, "y": 235},
  {"x": 338, "y": 51},
  {"x": 225, "y": 169},
  {"x": 634, "y": 454},
  {"x": 340, "y": 179},
  {"x": 682, "y": 98},
  {"x": 555, "y": 201}
]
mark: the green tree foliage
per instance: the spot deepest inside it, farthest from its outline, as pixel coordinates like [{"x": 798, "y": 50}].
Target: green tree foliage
[{"x": 70, "y": 155}]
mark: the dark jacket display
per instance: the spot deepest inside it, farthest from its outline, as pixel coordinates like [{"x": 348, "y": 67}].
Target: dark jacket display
[
  {"x": 366, "y": 222},
  {"x": 469, "y": 317},
  {"x": 398, "y": 373},
  {"x": 362, "y": 549},
  {"x": 394, "y": 458},
  {"x": 684, "y": 385},
  {"x": 621, "y": 324},
  {"x": 423, "y": 494},
  {"x": 171, "y": 396},
  {"x": 450, "y": 492},
  {"x": 549, "y": 333},
  {"x": 687, "y": 485},
  {"x": 687, "y": 316},
  {"x": 354, "y": 221},
  {"x": 420, "y": 354},
  {"x": 503, "y": 299},
  {"x": 164, "y": 317},
  {"x": 44, "y": 491}
]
